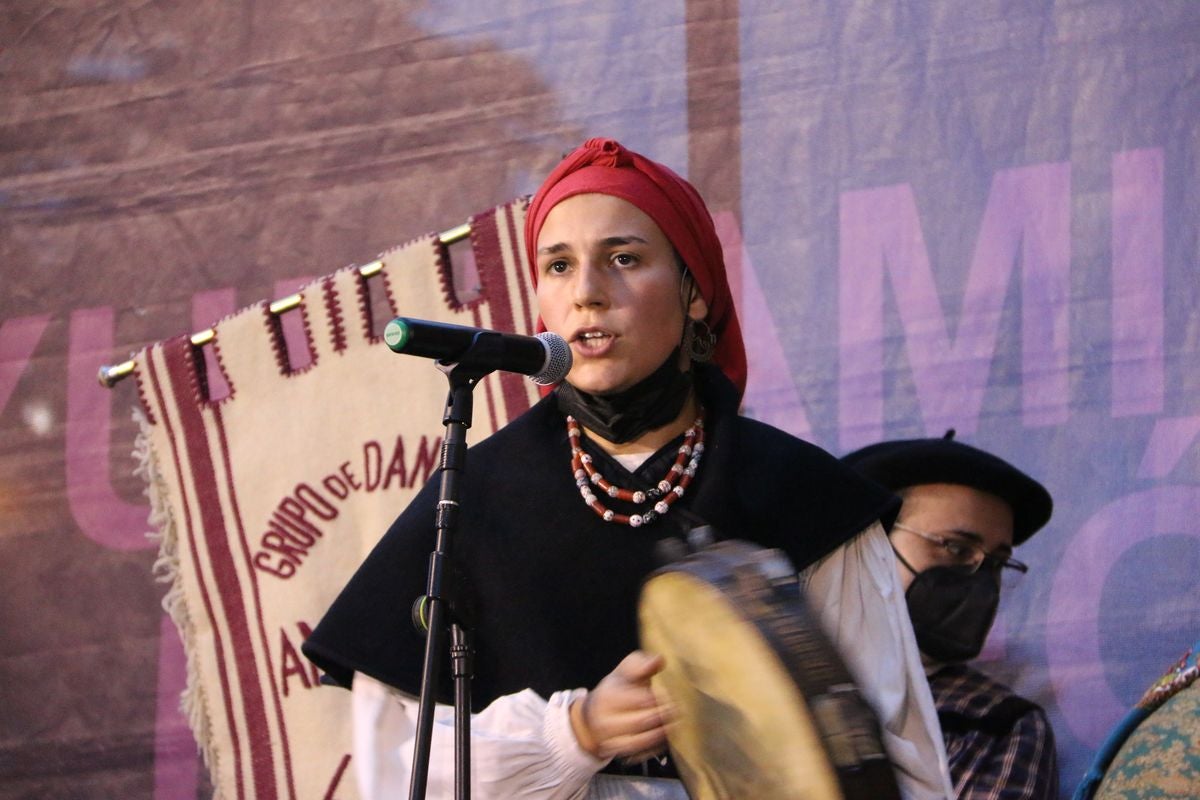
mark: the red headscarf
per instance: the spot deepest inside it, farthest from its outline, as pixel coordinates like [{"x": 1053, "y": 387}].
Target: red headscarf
[{"x": 603, "y": 166}]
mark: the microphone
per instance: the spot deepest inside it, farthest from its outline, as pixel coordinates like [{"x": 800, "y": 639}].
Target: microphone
[{"x": 545, "y": 358}]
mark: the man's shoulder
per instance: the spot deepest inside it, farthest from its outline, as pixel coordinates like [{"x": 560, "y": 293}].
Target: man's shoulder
[
  {"x": 964, "y": 695},
  {"x": 965, "y": 688}
]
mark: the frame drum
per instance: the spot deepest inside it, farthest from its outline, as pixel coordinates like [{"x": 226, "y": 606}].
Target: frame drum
[{"x": 764, "y": 706}]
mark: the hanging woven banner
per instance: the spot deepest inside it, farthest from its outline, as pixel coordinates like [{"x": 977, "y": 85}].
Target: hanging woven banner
[{"x": 275, "y": 457}]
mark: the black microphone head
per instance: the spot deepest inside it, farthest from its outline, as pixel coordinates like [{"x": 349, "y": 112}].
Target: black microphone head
[{"x": 558, "y": 359}]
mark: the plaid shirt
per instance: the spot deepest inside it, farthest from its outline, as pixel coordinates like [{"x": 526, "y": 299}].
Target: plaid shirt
[{"x": 1000, "y": 745}]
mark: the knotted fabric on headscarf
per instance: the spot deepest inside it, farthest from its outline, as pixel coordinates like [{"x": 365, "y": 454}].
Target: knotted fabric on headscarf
[{"x": 603, "y": 166}]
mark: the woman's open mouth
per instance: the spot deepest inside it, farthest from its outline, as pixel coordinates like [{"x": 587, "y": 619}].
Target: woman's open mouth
[{"x": 592, "y": 342}]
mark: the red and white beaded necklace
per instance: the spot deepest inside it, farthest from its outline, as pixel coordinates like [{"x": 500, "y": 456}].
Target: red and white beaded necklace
[{"x": 661, "y": 497}]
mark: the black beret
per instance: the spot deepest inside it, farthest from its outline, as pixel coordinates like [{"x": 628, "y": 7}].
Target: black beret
[{"x": 911, "y": 462}]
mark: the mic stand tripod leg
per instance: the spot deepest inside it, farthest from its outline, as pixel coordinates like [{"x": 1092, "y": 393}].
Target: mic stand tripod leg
[
  {"x": 434, "y": 622},
  {"x": 462, "y": 668}
]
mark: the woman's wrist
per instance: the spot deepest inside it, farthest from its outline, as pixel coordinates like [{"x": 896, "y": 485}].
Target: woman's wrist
[{"x": 579, "y": 724}]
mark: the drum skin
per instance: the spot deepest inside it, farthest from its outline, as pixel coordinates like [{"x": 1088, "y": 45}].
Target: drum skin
[{"x": 764, "y": 707}]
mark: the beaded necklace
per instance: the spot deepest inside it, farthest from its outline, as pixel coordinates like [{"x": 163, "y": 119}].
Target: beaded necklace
[{"x": 661, "y": 497}]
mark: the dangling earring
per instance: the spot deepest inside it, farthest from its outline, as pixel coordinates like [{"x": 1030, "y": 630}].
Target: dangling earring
[{"x": 699, "y": 341}]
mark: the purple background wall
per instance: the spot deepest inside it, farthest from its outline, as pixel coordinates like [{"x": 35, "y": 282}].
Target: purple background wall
[{"x": 981, "y": 216}]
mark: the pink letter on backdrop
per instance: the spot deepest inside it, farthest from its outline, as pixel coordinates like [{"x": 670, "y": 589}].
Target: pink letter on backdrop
[
  {"x": 1169, "y": 441},
  {"x": 100, "y": 513},
  {"x": 1137, "y": 282},
  {"x": 1027, "y": 217},
  {"x": 1073, "y": 625},
  {"x": 771, "y": 395},
  {"x": 18, "y": 338}
]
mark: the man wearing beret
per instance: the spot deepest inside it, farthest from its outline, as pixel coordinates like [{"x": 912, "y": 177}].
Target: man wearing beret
[{"x": 963, "y": 512}]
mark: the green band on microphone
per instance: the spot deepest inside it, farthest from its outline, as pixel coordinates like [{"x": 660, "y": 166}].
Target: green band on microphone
[{"x": 396, "y": 334}]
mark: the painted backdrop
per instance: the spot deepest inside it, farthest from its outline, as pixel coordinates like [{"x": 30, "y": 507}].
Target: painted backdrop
[{"x": 972, "y": 215}]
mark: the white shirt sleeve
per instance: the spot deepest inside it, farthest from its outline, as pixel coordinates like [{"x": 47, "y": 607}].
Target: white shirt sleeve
[
  {"x": 856, "y": 593},
  {"x": 521, "y": 746}
]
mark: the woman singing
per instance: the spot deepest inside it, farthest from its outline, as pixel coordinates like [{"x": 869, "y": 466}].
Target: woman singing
[{"x": 629, "y": 271}]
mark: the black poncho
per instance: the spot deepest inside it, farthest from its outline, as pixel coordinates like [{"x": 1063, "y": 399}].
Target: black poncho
[{"x": 555, "y": 587}]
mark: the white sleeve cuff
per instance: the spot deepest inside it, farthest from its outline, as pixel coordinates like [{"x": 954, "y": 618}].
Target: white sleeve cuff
[
  {"x": 521, "y": 746},
  {"x": 564, "y": 749}
]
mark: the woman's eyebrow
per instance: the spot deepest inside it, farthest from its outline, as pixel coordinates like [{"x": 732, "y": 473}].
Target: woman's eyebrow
[
  {"x": 617, "y": 241},
  {"x": 608, "y": 241}
]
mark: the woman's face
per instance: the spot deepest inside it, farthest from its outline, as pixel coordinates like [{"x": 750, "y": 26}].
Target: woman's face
[{"x": 609, "y": 284}]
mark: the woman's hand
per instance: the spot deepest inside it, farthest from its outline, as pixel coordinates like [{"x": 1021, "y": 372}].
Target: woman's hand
[{"x": 621, "y": 716}]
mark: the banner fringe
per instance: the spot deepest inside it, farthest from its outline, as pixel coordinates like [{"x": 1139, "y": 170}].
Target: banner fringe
[{"x": 193, "y": 701}]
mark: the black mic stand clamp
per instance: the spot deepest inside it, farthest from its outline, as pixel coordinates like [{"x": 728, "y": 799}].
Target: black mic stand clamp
[{"x": 445, "y": 602}]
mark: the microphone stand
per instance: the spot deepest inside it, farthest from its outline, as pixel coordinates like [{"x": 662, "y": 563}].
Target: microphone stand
[{"x": 445, "y": 600}]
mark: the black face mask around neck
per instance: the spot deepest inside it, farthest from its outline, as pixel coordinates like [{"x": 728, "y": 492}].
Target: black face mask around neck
[
  {"x": 951, "y": 611},
  {"x": 623, "y": 416}
]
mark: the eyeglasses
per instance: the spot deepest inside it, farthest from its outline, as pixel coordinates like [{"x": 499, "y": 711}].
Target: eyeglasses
[{"x": 966, "y": 555}]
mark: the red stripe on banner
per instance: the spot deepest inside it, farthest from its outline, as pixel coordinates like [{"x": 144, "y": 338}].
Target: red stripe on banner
[
  {"x": 333, "y": 309},
  {"x": 518, "y": 257},
  {"x": 258, "y": 616},
  {"x": 224, "y": 572},
  {"x": 218, "y": 645},
  {"x": 337, "y": 777},
  {"x": 485, "y": 241},
  {"x": 487, "y": 385}
]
